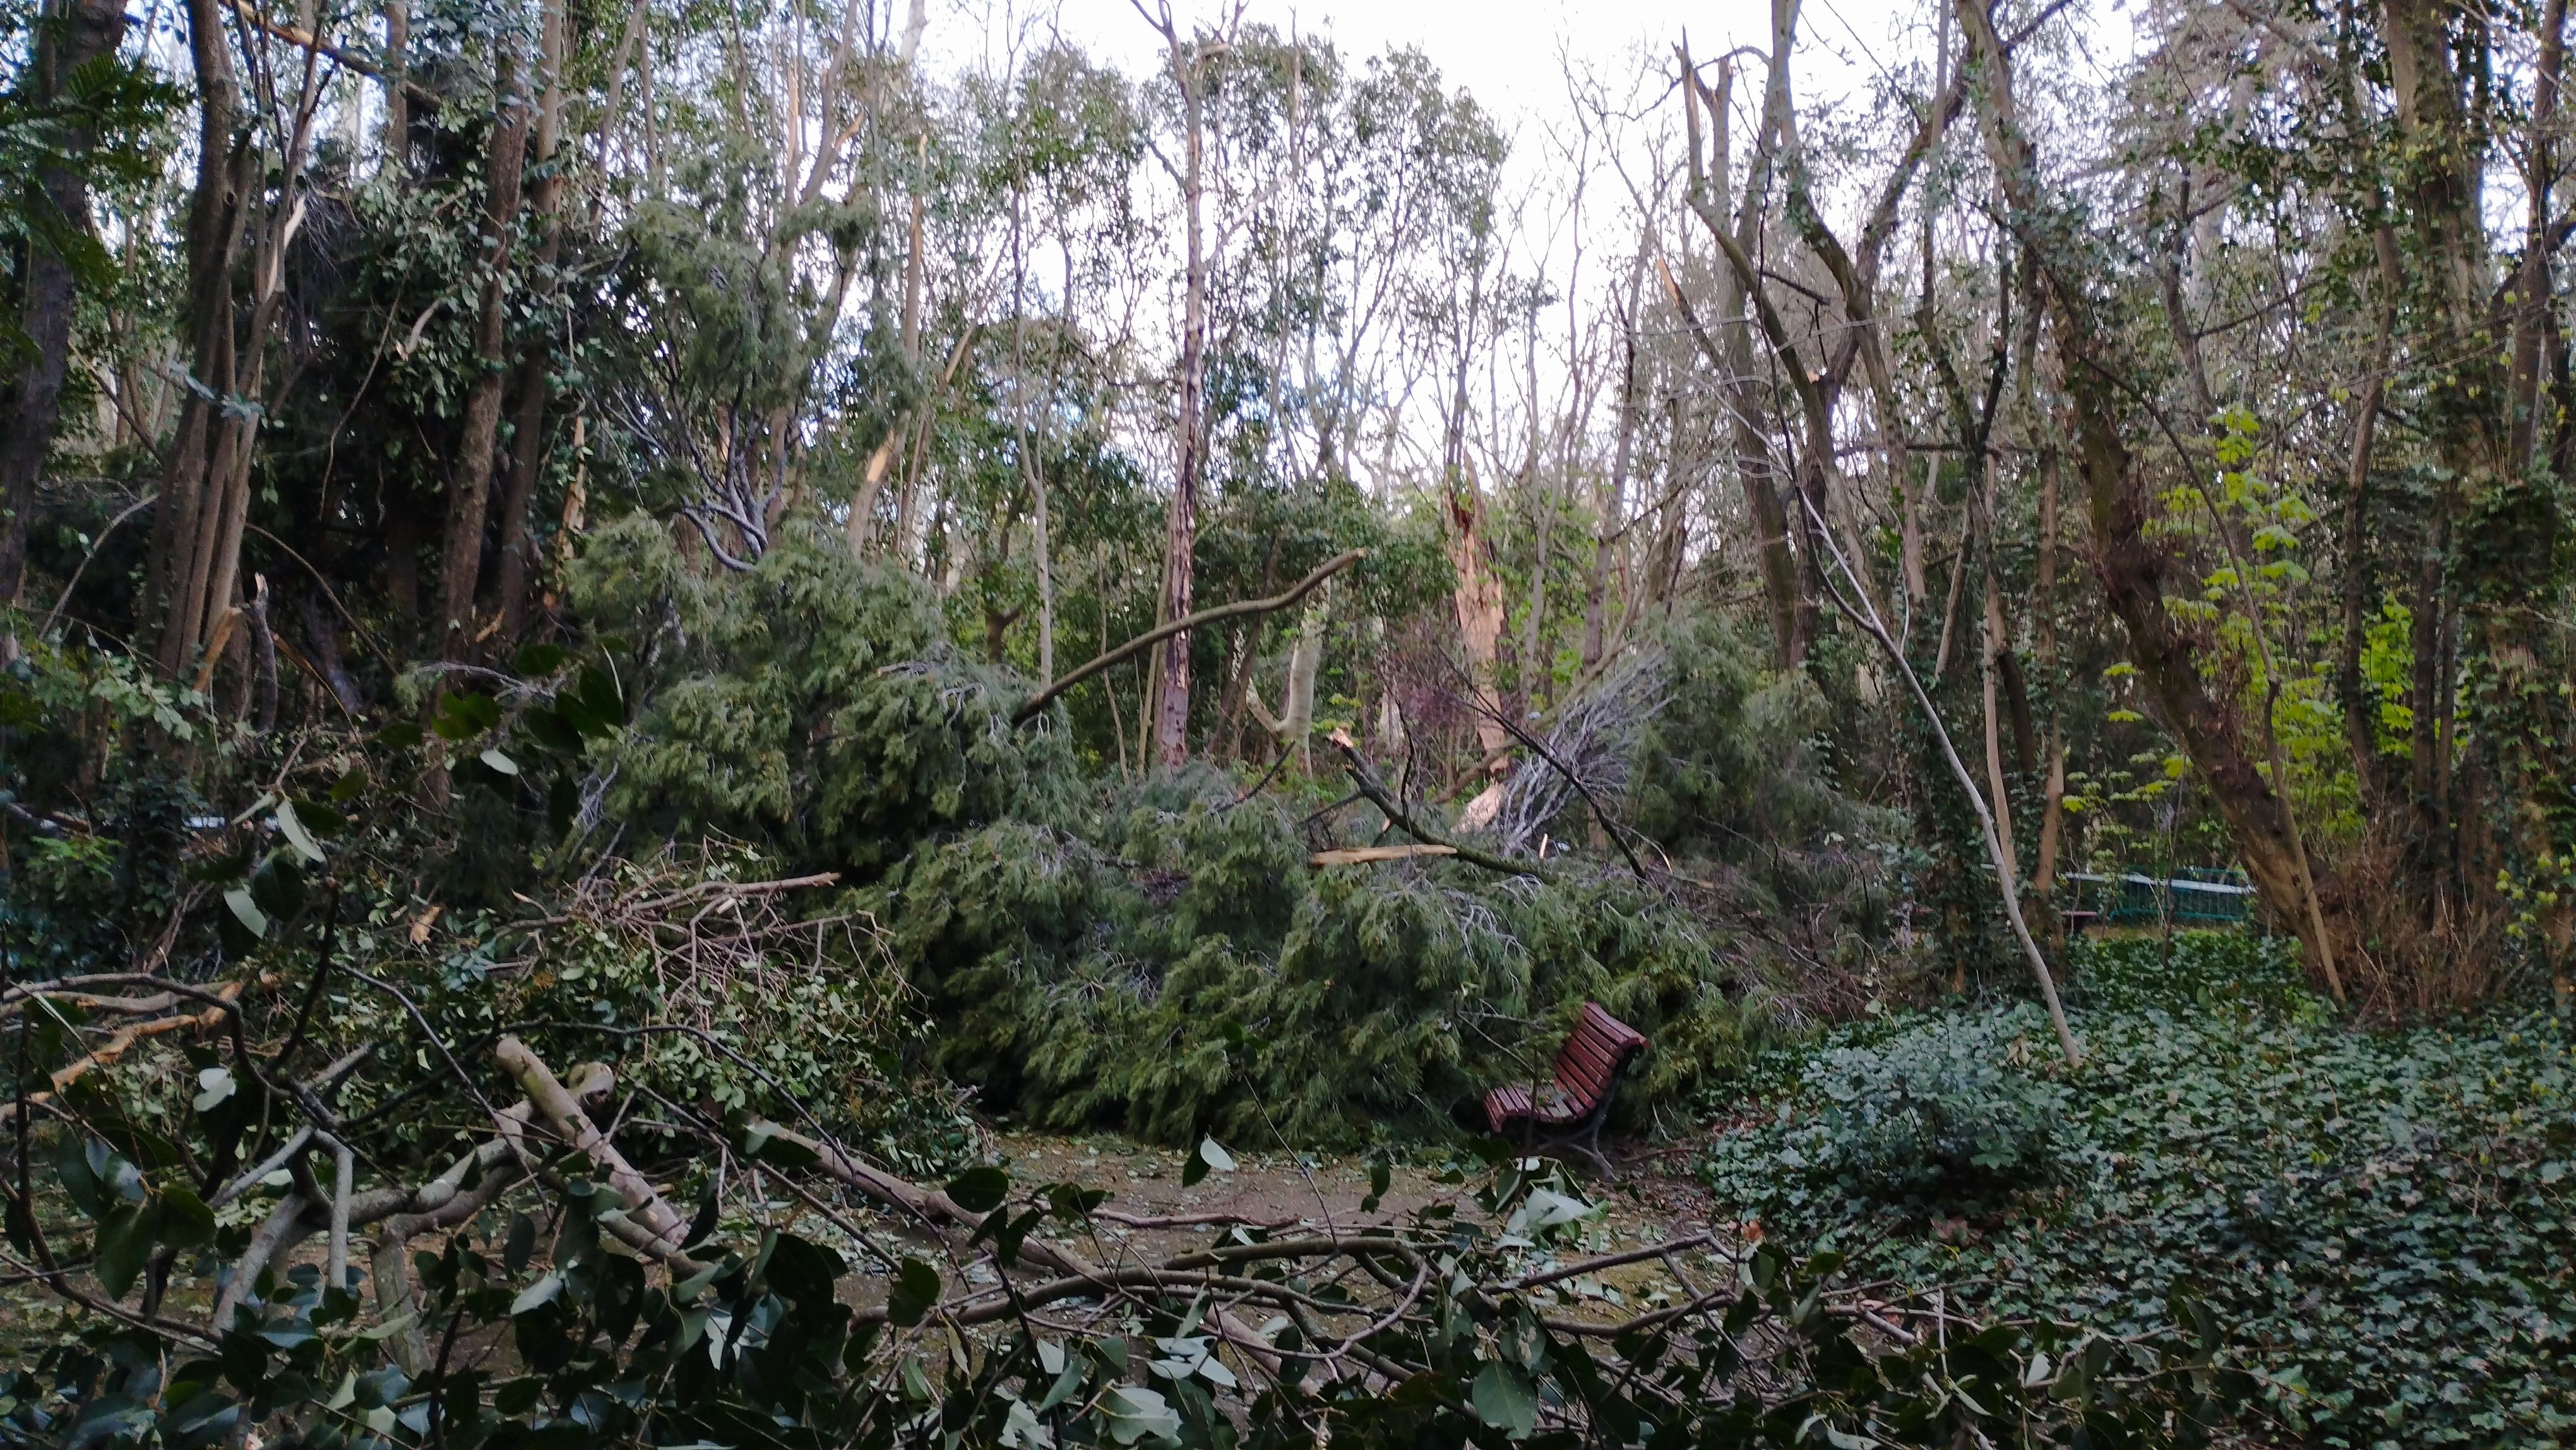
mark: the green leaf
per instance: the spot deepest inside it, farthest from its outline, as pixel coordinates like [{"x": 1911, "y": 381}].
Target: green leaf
[
  {"x": 80, "y": 1181},
  {"x": 550, "y": 729},
  {"x": 602, "y": 698},
  {"x": 980, "y": 1190},
  {"x": 291, "y": 826},
  {"x": 915, "y": 1290},
  {"x": 246, "y": 911},
  {"x": 278, "y": 887},
  {"x": 538, "y": 659},
  {"x": 500, "y": 762},
  {"x": 521, "y": 1245},
  {"x": 186, "y": 1222},
  {"x": 1505, "y": 1399},
  {"x": 124, "y": 1245},
  {"x": 1133, "y": 1412},
  {"x": 803, "y": 1271},
  {"x": 463, "y": 716},
  {"x": 537, "y": 1295}
]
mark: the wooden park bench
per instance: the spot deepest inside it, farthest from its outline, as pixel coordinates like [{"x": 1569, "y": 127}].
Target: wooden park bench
[{"x": 1568, "y": 1113}]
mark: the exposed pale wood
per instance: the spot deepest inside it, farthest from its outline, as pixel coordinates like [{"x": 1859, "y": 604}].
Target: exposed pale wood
[{"x": 1362, "y": 855}]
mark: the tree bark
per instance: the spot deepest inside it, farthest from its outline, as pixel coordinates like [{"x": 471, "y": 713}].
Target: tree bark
[
  {"x": 2361, "y": 733},
  {"x": 397, "y": 158},
  {"x": 2133, "y": 567},
  {"x": 1613, "y": 502},
  {"x": 469, "y": 488},
  {"x": 67, "y": 38},
  {"x": 1792, "y": 614},
  {"x": 188, "y": 515},
  {"x": 527, "y": 450},
  {"x": 1180, "y": 539}
]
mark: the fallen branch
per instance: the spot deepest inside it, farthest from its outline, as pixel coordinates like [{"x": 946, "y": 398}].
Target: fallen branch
[
  {"x": 1273, "y": 604},
  {"x": 1362, "y": 855},
  {"x": 1403, "y": 820},
  {"x": 665, "y": 1229},
  {"x": 1865, "y": 614}
]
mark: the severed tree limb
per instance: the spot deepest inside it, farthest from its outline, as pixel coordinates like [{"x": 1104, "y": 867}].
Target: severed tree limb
[
  {"x": 563, "y": 1112},
  {"x": 937, "y": 1210},
  {"x": 1403, "y": 819},
  {"x": 1617, "y": 832},
  {"x": 1273, "y": 604}
]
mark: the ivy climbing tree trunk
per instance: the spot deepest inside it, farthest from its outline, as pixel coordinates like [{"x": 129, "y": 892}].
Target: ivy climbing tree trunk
[
  {"x": 2132, "y": 565},
  {"x": 527, "y": 439},
  {"x": 71, "y": 34},
  {"x": 469, "y": 488}
]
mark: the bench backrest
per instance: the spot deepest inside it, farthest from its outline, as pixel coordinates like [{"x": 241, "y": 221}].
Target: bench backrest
[{"x": 1589, "y": 1066}]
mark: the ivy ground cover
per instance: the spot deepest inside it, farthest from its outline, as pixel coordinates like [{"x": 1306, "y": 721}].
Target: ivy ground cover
[{"x": 2380, "y": 1222}]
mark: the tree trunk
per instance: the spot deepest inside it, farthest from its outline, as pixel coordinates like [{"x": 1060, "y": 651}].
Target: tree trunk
[
  {"x": 1613, "y": 504},
  {"x": 469, "y": 487},
  {"x": 527, "y": 452},
  {"x": 2361, "y": 733},
  {"x": 184, "y": 519},
  {"x": 1791, "y": 613},
  {"x": 66, "y": 40},
  {"x": 397, "y": 159},
  {"x": 2131, "y": 565},
  {"x": 1171, "y": 735}
]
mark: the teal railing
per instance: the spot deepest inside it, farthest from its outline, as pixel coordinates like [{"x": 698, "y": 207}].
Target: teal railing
[{"x": 2200, "y": 895}]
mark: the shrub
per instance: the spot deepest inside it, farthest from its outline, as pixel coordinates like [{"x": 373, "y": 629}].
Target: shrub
[{"x": 1938, "y": 1114}]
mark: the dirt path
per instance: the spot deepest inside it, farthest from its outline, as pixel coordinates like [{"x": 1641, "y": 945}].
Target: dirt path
[{"x": 1643, "y": 1208}]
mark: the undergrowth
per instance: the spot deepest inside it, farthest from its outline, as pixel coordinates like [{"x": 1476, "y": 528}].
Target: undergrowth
[{"x": 2380, "y": 1220}]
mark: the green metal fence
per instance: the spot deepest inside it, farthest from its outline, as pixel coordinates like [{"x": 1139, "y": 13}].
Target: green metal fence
[{"x": 2192, "y": 894}]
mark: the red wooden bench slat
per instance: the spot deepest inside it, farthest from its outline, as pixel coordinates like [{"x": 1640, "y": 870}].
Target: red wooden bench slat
[{"x": 1587, "y": 1068}]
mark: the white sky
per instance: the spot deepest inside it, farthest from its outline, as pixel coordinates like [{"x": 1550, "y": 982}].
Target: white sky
[{"x": 1505, "y": 51}]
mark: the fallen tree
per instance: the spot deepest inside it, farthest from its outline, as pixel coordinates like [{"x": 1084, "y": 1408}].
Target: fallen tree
[{"x": 543, "y": 1273}]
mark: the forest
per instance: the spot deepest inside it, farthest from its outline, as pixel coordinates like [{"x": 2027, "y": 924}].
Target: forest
[{"x": 759, "y": 723}]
